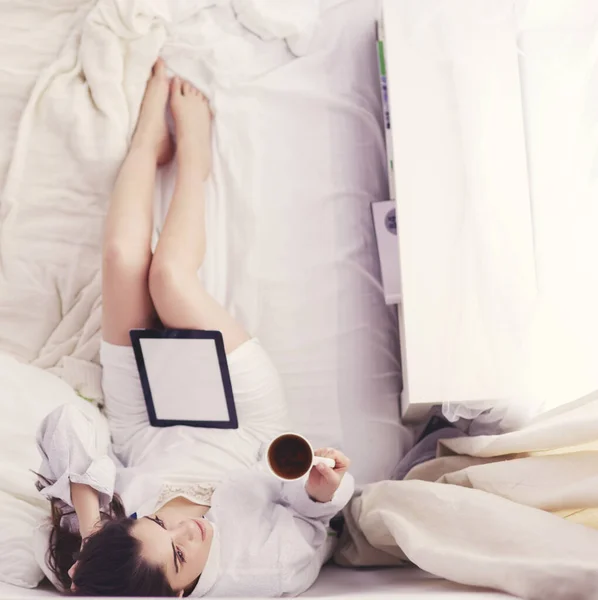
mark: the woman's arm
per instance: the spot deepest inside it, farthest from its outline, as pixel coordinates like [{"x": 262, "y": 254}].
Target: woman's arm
[
  {"x": 86, "y": 502},
  {"x": 305, "y": 540},
  {"x": 73, "y": 442}
]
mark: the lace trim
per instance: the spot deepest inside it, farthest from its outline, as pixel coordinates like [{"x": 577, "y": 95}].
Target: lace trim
[{"x": 200, "y": 493}]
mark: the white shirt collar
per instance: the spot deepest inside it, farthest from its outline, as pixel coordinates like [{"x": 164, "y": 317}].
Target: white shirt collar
[{"x": 210, "y": 573}]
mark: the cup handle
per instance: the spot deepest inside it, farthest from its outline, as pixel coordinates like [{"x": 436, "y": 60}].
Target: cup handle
[{"x": 321, "y": 460}]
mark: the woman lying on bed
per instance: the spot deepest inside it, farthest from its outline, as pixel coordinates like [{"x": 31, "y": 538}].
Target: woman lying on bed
[{"x": 206, "y": 522}]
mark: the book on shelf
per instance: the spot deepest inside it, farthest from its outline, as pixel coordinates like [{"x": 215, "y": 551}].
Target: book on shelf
[
  {"x": 385, "y": 226},
  {"x": 380, "y": 40}
]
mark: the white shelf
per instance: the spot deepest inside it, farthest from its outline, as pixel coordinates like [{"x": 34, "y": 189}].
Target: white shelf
[{"x": 464, "y": 222}]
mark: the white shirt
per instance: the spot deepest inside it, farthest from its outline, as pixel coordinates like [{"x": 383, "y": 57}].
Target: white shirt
[{"x": 270, "y": 538}]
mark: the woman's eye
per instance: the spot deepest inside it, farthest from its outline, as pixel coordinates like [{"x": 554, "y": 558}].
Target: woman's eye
[
  {"x": 180, "y": 555},
  {"x": 160, "y": 522}
]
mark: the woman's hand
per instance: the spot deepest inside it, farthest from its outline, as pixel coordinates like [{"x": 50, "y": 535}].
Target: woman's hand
[
  {"x": 323, "y": 480},
  {"x": 87, "y": 506},
  {"x": 72, "y": 575},
  {"x": 85, "y": 532}
]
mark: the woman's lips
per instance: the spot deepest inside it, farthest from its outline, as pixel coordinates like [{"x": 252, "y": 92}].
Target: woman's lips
[{"x": 202, "y": 529}]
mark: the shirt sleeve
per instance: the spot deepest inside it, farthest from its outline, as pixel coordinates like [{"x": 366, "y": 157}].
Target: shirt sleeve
[
  {"x": 74, "y": 443},
  {"x": 306, "y": 546}
]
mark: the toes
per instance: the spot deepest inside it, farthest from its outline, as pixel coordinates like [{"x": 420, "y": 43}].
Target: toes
[
  {"x": 159, "y": 68},
  {"x": 176, "y": 86},
  {"x": 182, "y": 87}
]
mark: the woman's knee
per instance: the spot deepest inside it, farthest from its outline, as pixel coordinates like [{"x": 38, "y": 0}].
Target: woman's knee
[
  {"x": 165, "y": 279},
  {"x": 122, "y": 259}
]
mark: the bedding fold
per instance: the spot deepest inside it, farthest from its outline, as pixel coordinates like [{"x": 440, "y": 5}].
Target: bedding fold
[{"x": 486, "y": 514}]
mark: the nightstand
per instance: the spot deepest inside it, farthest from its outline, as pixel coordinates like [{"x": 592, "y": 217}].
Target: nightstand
[{"x": 464, "y": 224}]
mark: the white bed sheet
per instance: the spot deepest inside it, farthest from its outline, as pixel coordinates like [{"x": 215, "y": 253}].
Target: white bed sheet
[
  {"x": 291, "y": 247},
  {"x": 298, "y": 163},
  {"x": 335, "y": 582},
  {"x": 300, "y": 157}
]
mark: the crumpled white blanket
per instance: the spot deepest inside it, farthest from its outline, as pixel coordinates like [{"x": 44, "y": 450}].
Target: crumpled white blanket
[
  {"x": 272, "y": 19},
  {"x": 73, "y": 136},
  {"x": 487, "y": 520}
]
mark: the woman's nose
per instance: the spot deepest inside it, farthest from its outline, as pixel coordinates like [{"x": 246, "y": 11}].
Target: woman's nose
[{"x": 186, "y": 530}]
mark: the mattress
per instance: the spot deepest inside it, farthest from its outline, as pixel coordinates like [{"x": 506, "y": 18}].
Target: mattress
[
  {"x": 299, "y": 159},
  {"x": 291, "y": 249},
  {"x": 293, "y": 254},
  {"x": 335, "y": 582}
]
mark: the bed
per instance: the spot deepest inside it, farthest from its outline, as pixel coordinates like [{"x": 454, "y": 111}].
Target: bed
[
  {"x": 300, "y": 156},
  {"x": 335, "y": 582},
  {"x": 292, "y": 249}
]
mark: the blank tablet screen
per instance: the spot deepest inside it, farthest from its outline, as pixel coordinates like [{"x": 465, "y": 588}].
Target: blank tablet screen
[{"x": 183, "y": 379}]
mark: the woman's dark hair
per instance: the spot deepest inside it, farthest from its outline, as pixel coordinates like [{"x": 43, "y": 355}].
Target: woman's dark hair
[{"x": 110, "y": 562}]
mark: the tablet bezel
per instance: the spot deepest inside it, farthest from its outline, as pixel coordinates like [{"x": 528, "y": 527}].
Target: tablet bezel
[{"x": 137, "y": 335}]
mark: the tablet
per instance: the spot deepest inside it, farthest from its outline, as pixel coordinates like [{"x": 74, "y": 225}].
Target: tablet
[{"x": 185, "y": 378}]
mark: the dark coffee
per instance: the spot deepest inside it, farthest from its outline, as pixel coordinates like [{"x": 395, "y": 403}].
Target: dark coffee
[{"x": 290, "y": 456}]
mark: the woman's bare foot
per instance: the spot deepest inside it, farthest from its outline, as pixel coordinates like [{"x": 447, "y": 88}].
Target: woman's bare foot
[
  {"x": 193, "y": 121},
  {"x": 151, "y": 131}
]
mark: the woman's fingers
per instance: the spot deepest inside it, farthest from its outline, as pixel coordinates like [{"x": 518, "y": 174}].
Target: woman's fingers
[
  {"x": 72, "y": 575},
  {"x": 331, "y": 476},
  {"x": 342, "y": 462}
]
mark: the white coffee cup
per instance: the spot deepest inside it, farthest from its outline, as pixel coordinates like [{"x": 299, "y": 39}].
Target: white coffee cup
[{"x": 290, "y": 456}]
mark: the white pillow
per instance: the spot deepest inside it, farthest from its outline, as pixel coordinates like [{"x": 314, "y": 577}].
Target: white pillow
[
  {"x": 28, "y": 395},
  {"x": 18, "y": 520},
  {"x": 41, "y": 543}
]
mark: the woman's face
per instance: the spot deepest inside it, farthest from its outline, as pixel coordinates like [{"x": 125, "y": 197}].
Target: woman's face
[{"x": 178, "y": 543}]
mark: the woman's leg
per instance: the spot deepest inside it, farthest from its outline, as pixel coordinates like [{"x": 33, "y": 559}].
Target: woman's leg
[
  {"x": 127, "y": 303},
  {"x": 177, "y": 293}
]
